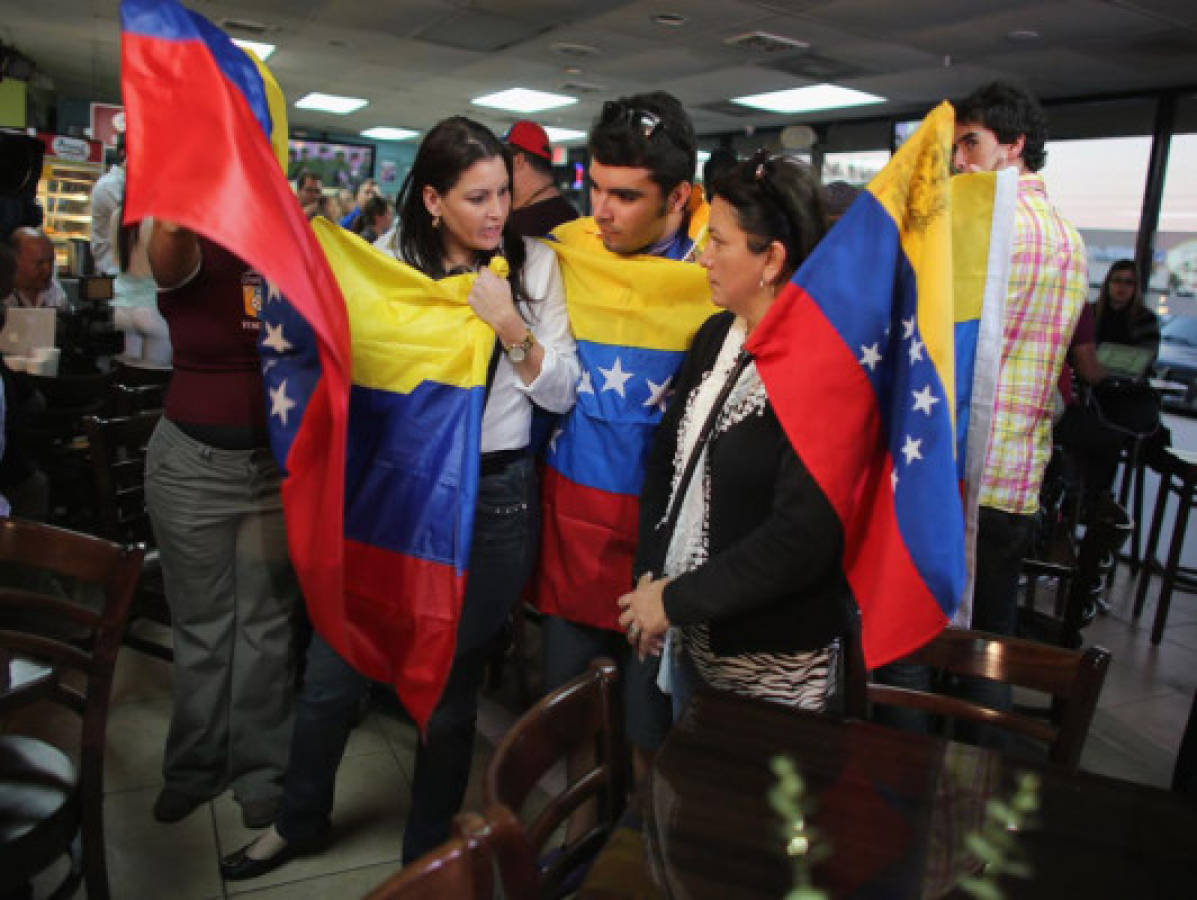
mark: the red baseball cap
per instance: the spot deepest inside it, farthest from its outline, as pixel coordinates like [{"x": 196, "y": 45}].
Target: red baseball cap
[{"x": 530, "y": 137}]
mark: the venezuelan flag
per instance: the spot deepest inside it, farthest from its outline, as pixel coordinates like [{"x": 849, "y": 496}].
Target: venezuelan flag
[
  {"x": 867, "y": 356},
  {"x": 419, "y": 361},
  {"x": 633, "y": 318},
  {"x": 207, "y": 133}
]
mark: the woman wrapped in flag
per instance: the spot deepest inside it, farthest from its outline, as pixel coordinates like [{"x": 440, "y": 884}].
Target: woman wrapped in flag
[
  {"x": 454, "y": 208},
  {"x": 739, "y": 548}
]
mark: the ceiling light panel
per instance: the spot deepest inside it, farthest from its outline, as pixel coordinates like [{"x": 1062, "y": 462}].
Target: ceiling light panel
[
  {"x": 808, "y": 99},
  {"x": 389, "y": 133},
  {"x": 524, "y": 100},
  {"x": 330, "y": 103}
]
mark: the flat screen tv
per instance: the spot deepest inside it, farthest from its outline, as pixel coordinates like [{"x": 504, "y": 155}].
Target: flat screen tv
[{"x": 339, "y": 164}]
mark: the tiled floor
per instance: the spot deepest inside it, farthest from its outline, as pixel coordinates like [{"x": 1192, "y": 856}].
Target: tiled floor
[{"x": 1135, "y": 735}]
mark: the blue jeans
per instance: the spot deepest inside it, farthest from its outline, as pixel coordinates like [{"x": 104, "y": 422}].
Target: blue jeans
[{"x": 500, "y": 556}]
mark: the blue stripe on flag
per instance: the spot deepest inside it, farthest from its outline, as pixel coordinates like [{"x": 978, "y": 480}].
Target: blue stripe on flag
[
  {"x": 171, "y": 22},
  {"x": 411, "y": 473}
]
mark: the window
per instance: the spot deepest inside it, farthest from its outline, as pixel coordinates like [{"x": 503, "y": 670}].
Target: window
[
  {"x": 857, "y": 167},
  {"x": 1098, "y": 184},
  {"x": 1174, "y": 260}
]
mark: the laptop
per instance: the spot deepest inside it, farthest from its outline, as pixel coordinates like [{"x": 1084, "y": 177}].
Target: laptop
[
  {"x": 27, "y": 329},
  {"x": 1124, "y": 360}
]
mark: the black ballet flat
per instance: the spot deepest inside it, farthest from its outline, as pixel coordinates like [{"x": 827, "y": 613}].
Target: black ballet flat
[{"x": 239, "y": 866}]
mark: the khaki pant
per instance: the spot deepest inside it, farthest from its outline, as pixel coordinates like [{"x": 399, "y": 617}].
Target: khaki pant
[{"x": 218, "y": 521}]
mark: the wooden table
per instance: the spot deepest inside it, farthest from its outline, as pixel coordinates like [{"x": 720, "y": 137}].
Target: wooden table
[
  {"x": 22, "y": 681},
  {"x": 894, "y": 809}
]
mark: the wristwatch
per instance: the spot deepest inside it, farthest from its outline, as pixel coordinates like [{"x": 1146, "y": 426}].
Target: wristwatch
[{"x": 518, "y": 352}]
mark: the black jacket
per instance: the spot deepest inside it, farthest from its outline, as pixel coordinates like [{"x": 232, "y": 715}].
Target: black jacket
[{"x": 774, "y": 579}]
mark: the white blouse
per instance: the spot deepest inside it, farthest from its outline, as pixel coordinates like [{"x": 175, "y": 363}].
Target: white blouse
[{"x": 507, "y": 421}]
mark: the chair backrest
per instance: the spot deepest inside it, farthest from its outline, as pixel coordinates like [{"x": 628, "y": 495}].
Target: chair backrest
[
  {"x": 70, "y": 635},
  {"x": 1072, "y": 678},
  {"x": 462, "y": 867},
  {"x": 128, "y": 400},
  {"x": 118, "y": 448},
  {"x": 585, "y": 712}
]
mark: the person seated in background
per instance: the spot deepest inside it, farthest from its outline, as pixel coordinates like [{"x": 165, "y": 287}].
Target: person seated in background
[
  {"x": 135, "y": 297},
  {"x": 24, "y": 488},
  {"x": 365, "y": 191},
  {"x": 376, "y": 219},
  {"x": 1121, "y": 316},
  {"x": 745, "y": 555},
  {"x": 309, "y": 190},
  {"x": 34, "y": 284}
]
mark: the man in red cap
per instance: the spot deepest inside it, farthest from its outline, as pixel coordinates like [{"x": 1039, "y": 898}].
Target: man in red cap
[{"x": 537, "y": 205}]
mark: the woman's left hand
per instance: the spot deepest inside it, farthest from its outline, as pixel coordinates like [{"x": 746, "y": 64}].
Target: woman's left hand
[
  {"x": 643, "y": 616},
  {"x": 490, "y": 298}
]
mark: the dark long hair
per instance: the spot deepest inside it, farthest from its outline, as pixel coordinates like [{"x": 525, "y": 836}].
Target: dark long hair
[
  {"x": 776, "y": 199},
  {"x": 451, "y": 147}
]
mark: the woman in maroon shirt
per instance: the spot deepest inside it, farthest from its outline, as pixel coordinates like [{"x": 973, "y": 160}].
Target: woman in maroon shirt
[{"x": 212, "y": 489}]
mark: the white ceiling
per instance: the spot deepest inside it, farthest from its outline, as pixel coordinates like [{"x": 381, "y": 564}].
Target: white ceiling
[{"x": 420, "y": 60}]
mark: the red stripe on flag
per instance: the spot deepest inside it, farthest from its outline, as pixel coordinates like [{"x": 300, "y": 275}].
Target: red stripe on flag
[
  {"x": 836, "y": 432},
  {"x": 587, "y": 546},
  {"x": 407, "y": 640}
]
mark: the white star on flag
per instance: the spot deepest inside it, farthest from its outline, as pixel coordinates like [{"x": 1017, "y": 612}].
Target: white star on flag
[
  {"x": 924, "y": 399},
  {"x": 908, "y": 328},
  {"x": 557, "y": 432},
  {"x": 911, "y": 449},
  {"x": 272, "y": 292},
  {"x": 615, "y": 378},
  {"x": 871, "y": 356},
  {"x": 916, "y": 351},
  {"x": 274, "y": 338},
  {"x": 657, "y": 393},
  {"x": 584, "y": 386},
  {"x": 280, "y": 403}
]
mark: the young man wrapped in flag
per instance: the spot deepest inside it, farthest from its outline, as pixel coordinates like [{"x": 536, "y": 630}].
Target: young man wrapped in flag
[{"x": 636, "y": 299}]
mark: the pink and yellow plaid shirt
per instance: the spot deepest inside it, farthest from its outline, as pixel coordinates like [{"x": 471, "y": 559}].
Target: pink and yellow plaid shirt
[{"x": 1049, "y": 285}]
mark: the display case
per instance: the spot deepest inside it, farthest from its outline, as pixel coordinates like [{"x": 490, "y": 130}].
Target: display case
[{"x": 70, "y": 170}]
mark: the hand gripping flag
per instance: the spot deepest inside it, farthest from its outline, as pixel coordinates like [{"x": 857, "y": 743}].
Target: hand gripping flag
[
  {"x": 869, "y": 357},
  {"x": 633, "y": 318},
  {"x": 380, "y": 552}
]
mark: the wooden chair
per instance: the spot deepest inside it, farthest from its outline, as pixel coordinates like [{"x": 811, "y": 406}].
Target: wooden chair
[
  {"x": 464, "y": 866},
  {"x": 46, "y": 801},
  {"x": 587, "y": 710},
  {"x": 128, "y": 400},
  {"x": 118, "y": 448},
  {"x": 1072, "y": 678}
]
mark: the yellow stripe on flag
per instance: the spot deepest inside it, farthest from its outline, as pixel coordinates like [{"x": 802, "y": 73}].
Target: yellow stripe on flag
[
  {"x": 913, "y": 189},
  {"x": 629, "y": 301},
  {"x": 405, "y": 328},
  {"x": 972, "y": 219}
]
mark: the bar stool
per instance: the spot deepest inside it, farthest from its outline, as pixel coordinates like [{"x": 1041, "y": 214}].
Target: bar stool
[{"x": 1178, "y": 475}]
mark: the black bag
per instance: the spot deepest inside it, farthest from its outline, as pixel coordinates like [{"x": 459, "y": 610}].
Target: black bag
[{"x": 1130, "y": 407}]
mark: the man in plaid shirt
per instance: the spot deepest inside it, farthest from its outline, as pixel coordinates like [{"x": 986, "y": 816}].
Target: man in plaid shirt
[{"x": 997, "y": 126}]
